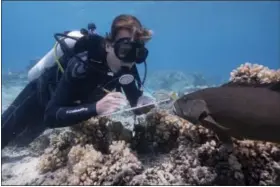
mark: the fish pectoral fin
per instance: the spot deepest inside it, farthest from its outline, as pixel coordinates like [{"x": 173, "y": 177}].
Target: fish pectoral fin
[
  {"x": 194, "y": 109},
  {"x": 209, "y": 119},
  {"x": 222, "y": 132}
]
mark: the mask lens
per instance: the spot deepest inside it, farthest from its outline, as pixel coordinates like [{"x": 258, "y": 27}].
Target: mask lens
[
  {"x": 124, "y": 49},
  {"x": 128, "y": 51}
]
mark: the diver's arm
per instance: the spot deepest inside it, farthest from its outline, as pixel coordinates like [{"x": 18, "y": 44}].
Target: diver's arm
[{"x": 59, "y": 112}]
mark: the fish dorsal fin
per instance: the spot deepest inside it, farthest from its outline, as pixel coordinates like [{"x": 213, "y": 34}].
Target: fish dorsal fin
[{"x": 275, "y": 87}]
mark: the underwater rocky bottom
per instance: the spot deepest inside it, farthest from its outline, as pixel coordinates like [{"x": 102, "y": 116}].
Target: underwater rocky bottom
[{"x": 161, "y": 149}]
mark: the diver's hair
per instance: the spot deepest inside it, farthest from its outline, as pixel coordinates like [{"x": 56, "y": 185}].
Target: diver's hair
[{"x": 125, "y": 21}]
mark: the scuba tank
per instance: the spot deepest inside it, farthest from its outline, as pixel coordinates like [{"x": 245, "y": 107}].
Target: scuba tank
[
  {"x": 69, "y": 40},
  {"x": 52, "y": 56}
]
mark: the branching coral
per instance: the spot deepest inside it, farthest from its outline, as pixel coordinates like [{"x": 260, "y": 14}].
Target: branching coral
[
  {"x": 55, "y": 155},
  {"x": 87, "y": 166},
  {"x": 158, "y": 132},
  {"x": 91, "y": 154}
]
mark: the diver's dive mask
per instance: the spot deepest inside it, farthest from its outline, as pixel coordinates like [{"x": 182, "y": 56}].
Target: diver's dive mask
[{"x": 131, "y": 51}]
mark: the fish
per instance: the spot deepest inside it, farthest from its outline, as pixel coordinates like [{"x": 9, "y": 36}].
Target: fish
[{"x": 242, "y": 112}]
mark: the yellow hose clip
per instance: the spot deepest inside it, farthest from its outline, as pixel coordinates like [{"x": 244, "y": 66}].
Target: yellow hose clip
[{"x": 56, "y": 58}]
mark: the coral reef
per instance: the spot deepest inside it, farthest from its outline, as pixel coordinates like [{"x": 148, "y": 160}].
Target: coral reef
[
  {"x": 254, "y": 73},
  {"x": 188, "y": 155},
  {"x": 158, "y": 149}
]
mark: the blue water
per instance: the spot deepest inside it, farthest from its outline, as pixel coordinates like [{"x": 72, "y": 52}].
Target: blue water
[{"x": 211, "y": 38}]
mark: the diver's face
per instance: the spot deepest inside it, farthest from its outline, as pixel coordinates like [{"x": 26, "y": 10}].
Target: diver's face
[{"x": 113, "y": 62}]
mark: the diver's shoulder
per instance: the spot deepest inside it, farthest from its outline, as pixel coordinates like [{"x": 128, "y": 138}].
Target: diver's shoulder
[{"x": 77, "y": 67}]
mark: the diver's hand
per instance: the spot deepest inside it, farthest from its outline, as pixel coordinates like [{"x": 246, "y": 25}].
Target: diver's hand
[
  {"x": 144, "y": 100},
  {"x": 110, "y": 103}
]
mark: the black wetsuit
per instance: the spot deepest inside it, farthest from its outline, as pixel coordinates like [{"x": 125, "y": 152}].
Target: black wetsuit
[{"x": 62, "y": 99}]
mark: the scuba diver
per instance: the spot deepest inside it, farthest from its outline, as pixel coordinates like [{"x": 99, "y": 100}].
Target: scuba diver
[{"x": 82, "y": 77}]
